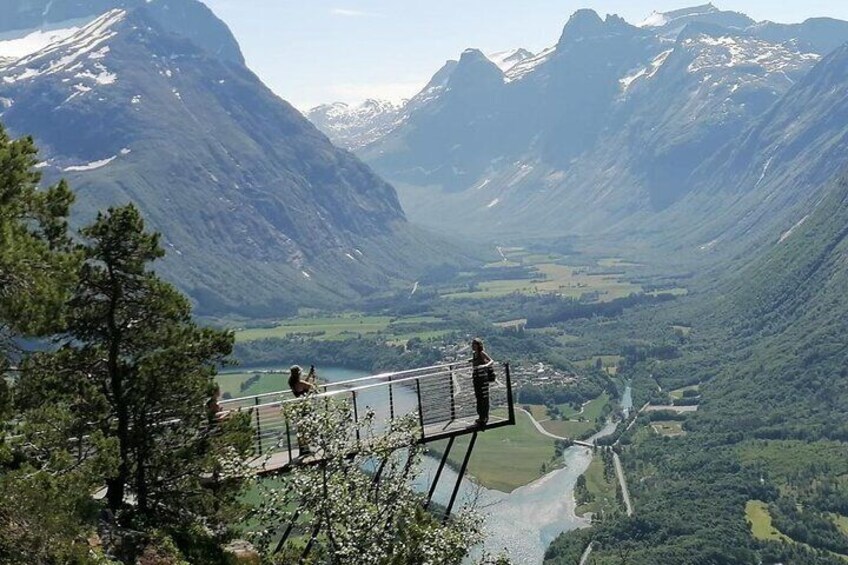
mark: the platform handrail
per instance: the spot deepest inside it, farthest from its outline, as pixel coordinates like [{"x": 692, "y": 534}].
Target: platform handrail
[
  {"x": 338, "y": 384},
  {"x": 345, "y": 391},
  {"x": 443, "y": 399}
]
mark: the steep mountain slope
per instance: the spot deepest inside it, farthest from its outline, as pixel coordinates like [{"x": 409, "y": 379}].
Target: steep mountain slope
[
  {"x": 772, "y": 174},
  {"x": 768, "y": 350},
  {"x": 594, "y": 135},
  {"x": 259, "y": 211}
]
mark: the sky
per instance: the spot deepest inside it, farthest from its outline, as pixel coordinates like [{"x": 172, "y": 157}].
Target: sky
[{"x": 317, "y": 51}]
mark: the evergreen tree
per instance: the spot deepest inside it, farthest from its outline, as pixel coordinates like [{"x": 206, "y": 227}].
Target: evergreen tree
[
  {"x": 36, "y": 266},
  {"x": 137, "y": 367},
  {"x": 44, "y": 497}
]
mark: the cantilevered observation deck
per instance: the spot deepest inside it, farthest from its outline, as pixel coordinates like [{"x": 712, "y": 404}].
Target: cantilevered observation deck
[{"x": 440, "y": 398}]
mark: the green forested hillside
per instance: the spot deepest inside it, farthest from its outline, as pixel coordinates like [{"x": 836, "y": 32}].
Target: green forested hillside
[{"x": 767, "y": 450}]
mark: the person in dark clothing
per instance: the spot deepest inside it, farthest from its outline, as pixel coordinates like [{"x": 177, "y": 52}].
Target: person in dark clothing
[
  {"x": 213, "y": 406},
  {"x": 298, "y": 386},
  {"x": 481, "y": 363}
]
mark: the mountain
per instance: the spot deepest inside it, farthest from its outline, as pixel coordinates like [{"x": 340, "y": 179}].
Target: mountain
[
  {"x": 670, "y": 24},
  {"x": 150, "y": 102},
  {"x": 769, "y": 357},
  {"x": 821, "y": 35},
  {"x": 597, "y": 134},
  {"x": 505, "y": 60},
  {"x": 353, "y": 127},
  {"x": 773, "y": 171}
]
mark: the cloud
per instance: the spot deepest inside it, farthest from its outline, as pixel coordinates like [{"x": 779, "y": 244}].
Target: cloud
[{"x": 347, "y": 13}]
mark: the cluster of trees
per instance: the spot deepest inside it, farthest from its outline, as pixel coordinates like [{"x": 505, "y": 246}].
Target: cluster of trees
[
  {"x": 115, "y": 399},
  {"x": 808, "y": 526},
  {"x": 591, "y": 384}
]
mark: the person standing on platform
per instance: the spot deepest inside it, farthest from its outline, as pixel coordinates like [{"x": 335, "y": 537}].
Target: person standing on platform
[{"x": 483, "y": 367}]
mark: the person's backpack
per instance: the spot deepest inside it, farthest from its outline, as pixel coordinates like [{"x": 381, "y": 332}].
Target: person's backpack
[{"x": 490, "y": 373}]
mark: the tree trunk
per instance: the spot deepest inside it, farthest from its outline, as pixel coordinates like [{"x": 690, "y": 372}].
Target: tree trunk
[
  {"x": 141, "y": 467},
  {"x": 117, "y": 484}
]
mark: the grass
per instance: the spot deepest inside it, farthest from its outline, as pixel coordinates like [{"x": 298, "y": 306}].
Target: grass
[
  {"x": 677, "y": 394},
  {"x": 841, "y": 522},
  {"x": 682, "y": 330},
  {"x": 568, "y": 428},
  {"x": 612, "y": 262},
  {"x": 601, "y": 490},
  {"x": 539, "y": 411},
  {"x": 350, "y": 326},
  {"x": 591, "y": 411},
  {"x": 340, "y": 327},
  {"x": 758, "y": 516},
  {"x": 571, "y": 427},
  {"x": 505, "y": 458},
  {"x": 553, "y": 278},
  {"x": 609, "y": 363},
  {"x": 232, "y": 382},
  {"x": 668, "y": 428}
]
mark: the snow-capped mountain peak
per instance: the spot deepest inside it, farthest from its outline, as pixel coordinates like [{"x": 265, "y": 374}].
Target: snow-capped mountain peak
[
  {"x": 660, "y": 19},
  {"x": 670, "y": 24},
  {"x": 79, "y": 54},
  {"x": 17, "y": 44},
  {"x": 353, "y": 126}
]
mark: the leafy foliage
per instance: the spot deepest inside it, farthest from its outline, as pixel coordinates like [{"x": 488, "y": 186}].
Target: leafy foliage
[{"x": 357, "y": 498}]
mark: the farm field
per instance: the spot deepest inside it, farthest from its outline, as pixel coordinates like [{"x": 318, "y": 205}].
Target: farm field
[
  {"x": 591, "y": 410},
  {"x": 505, "y": 458},
  {"x": 568, "y": 428},
  {"x": 601, "y": 490},
  {"x": 349, "y": 326},
  {"x": 553, "y": 278},
  {"x": 758, "y": 516}
]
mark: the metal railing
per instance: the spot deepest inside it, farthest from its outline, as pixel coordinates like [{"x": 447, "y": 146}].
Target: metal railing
[{"x": 441, "y": 398}]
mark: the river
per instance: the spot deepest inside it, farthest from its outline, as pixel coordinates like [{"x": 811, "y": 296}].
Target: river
[{"x": 522, "y": 523}]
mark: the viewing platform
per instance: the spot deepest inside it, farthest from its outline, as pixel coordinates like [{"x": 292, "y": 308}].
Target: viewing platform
[{"x": 440, "y": 399}]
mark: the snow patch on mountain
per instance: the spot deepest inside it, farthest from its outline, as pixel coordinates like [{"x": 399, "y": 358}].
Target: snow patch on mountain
[
  {"x": 68, "y": 55},
  {"x": 16, "y": 45},
  {"x": 93, "y": 166},
  {"x": 646, "y": 72},
  {"x": 656, "y": 19},
  {"x": 716, "y": 53},
  {"x": 529, "y": 65},
  {"x": 506, "y": 60},
  {"x": 353, "y": 127}
]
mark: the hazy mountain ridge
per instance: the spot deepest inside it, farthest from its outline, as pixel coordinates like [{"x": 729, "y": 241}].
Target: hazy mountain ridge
[
  {"x": 259, "y": 211},
  {"x": 605, "y": 151},
  {"x": 355, "y": 126}
]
